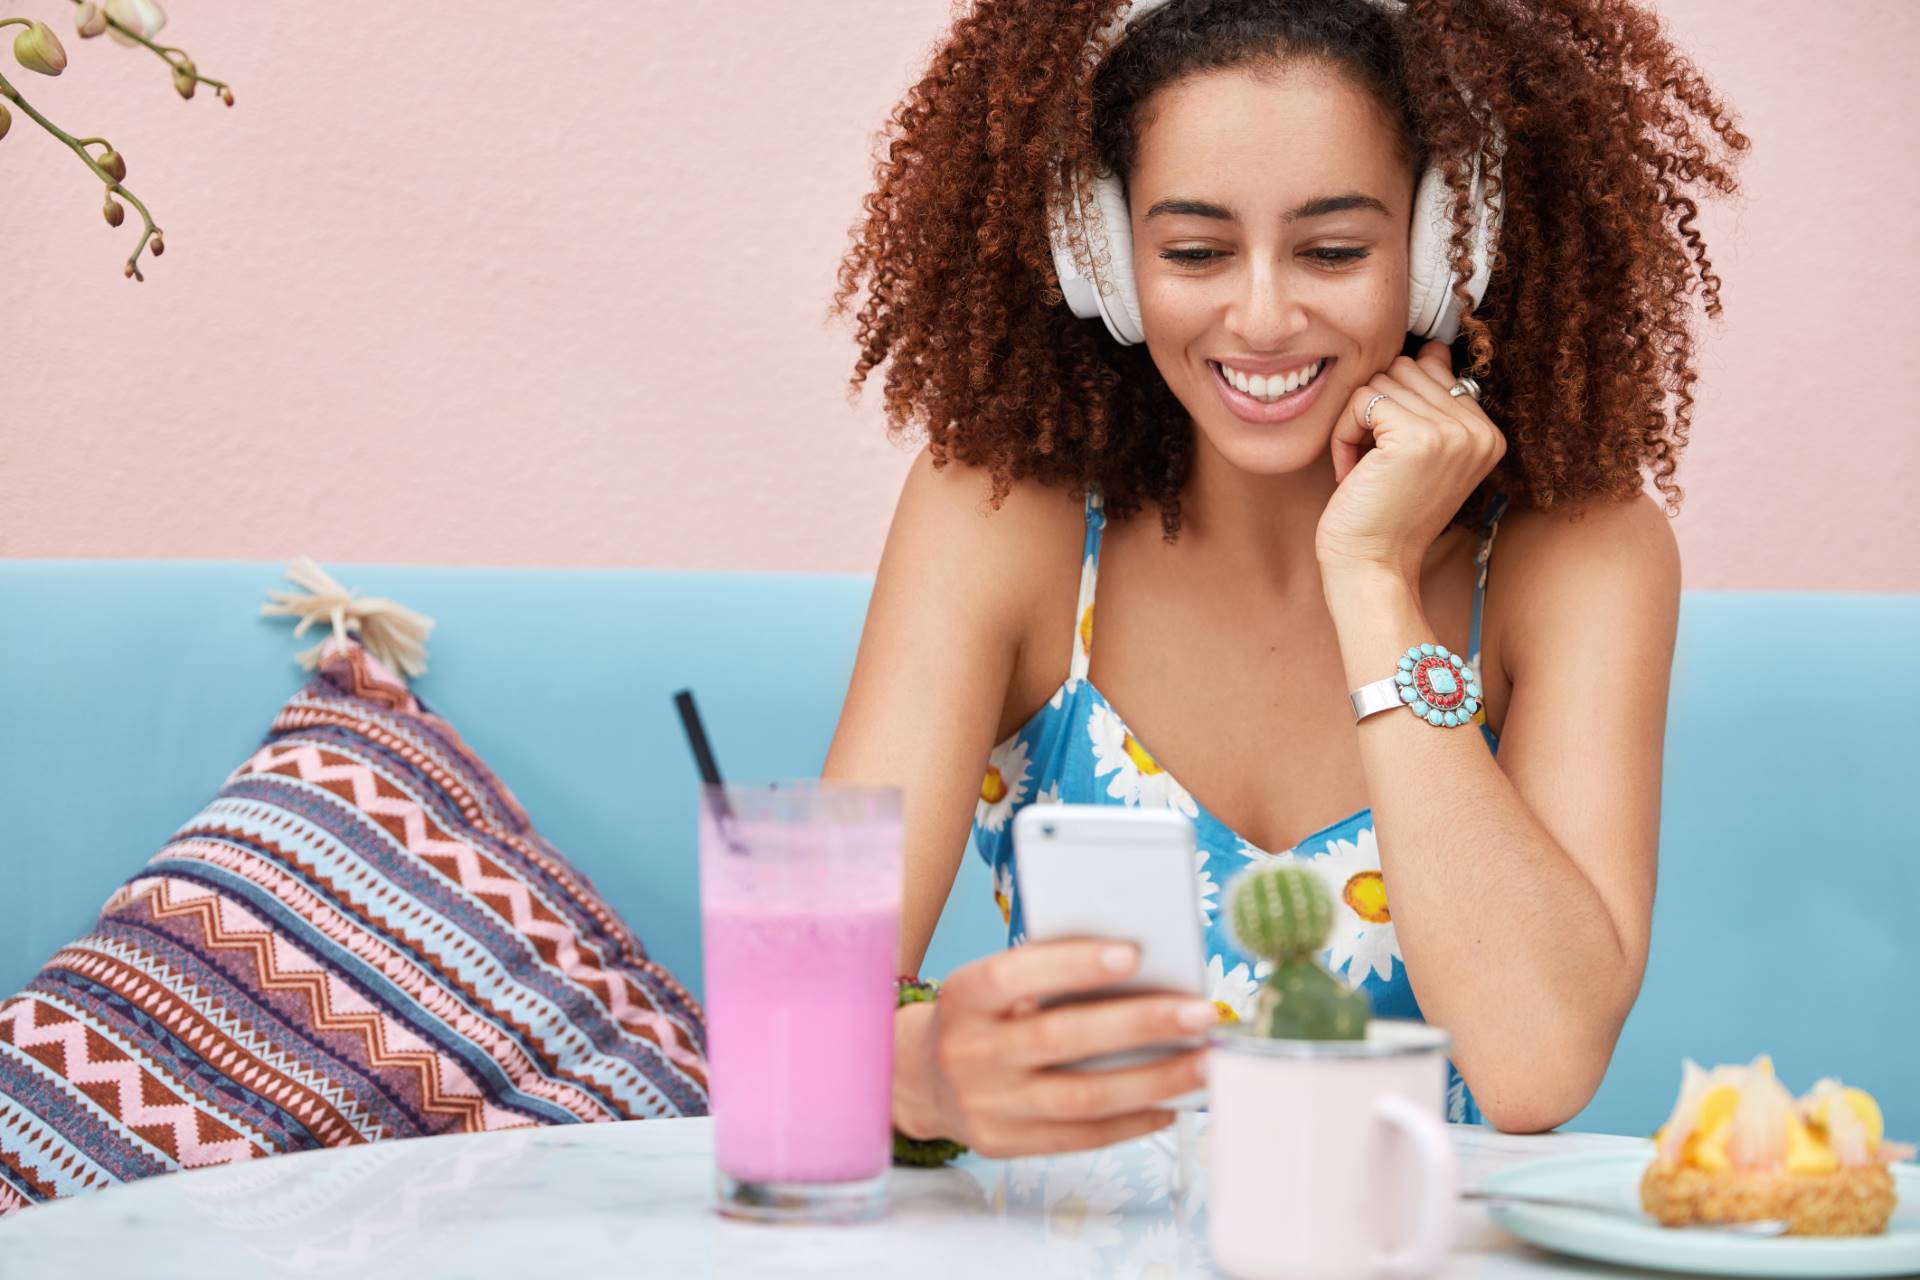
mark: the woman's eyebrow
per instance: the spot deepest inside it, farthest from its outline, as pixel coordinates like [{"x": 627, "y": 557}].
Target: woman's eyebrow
[{"x": 1317, "y": 207}]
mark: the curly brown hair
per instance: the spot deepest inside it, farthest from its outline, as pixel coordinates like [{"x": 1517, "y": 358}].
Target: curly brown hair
[{"x": 1583, "y": 343}]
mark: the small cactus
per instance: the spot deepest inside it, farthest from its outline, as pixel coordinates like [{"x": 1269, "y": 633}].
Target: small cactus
[
  {"x": 1279, "y": 912},
  {"x": 1283, "y": 915}
]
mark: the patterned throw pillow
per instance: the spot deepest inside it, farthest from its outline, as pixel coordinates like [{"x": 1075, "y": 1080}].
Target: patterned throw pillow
[{"x": 360, "y": 938}]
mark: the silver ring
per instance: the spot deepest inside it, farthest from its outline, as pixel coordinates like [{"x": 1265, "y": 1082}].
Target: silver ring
[
  {"x": 1465, "y": 387},
  {"x": 1366, "y": 414}
]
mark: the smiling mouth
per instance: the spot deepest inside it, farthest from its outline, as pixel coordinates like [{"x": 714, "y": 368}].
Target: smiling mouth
[{"x": 1271, "y": 390}]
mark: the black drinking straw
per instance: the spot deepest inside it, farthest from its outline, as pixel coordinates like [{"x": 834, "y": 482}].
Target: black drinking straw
[{"x": 709, "y": 769}]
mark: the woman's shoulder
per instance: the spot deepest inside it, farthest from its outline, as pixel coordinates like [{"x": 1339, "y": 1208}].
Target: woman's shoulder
[
  {"x": 1011, "y": 556},
  {"x": 961, "y": 493},
  {"x": 952, "y": 504},
  {"x": 1586, "y": 561},
  {"x": 1628, "y": 532}
]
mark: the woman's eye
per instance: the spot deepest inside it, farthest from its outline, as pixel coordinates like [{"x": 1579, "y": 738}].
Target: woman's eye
[{"x": 1197, "y": 257}]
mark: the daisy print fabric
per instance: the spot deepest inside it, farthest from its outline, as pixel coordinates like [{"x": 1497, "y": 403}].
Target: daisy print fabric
[
  {"x": 1132, "y": 775},
  {"x": 1078, "y": 749},
  {"x": 1005, "y": 785}
]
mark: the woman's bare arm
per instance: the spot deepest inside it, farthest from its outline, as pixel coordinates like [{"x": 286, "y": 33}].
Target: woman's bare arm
[
  {"x": 955, "y": 587},
  {"x": 958, "y": 593},
  {"x": 1523, "y": 890}
]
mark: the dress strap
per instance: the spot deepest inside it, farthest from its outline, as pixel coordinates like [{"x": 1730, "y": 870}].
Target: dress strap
[
  {"x": 1481, "y": 560},
  {"x": 1089, "y": 576}
]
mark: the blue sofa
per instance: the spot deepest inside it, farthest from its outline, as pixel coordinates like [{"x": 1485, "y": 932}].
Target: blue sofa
[{"x": 1790, "y": 865}]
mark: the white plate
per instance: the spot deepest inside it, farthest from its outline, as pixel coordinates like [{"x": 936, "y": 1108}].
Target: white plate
[{"x": 1614, "y": 1179}]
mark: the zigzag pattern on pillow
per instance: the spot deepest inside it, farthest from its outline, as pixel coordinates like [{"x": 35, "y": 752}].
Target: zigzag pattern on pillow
[{"x": 360, "y": 938}]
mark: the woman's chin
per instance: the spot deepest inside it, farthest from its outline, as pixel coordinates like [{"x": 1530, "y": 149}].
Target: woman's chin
[{"x": 1259, "y": 452}]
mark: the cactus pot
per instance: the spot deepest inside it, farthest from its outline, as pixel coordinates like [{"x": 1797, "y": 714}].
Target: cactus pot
[{"x": 1329, "y": 1159}]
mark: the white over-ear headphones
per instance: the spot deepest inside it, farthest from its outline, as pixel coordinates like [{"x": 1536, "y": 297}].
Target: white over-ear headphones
[{"x": 1432, "y": 310}]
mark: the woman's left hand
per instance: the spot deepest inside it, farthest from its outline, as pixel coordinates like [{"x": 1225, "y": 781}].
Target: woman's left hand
[{"x": 1400, "y": 482}]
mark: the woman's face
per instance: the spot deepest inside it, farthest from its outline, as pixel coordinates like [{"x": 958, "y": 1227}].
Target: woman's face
[{"x": 1270, "y": 213}]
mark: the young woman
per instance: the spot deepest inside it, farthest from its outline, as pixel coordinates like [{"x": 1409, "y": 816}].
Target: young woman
[{"x": 1276, "y": 490}]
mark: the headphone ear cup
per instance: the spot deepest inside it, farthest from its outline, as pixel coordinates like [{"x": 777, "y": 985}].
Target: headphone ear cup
[
  {"x": 1111, "y": 296},
  {"x": 1119, "y": 295},
  {"x": 1082, "y": 295},
  {"x": 1432, "y": 310}
]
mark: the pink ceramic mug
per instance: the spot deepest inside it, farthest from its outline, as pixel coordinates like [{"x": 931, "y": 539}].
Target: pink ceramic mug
[{"x": 1330, "y": 1159}]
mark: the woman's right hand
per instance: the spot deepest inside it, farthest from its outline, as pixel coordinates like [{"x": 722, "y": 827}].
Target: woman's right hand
[{"x": 981, "y": 1065}]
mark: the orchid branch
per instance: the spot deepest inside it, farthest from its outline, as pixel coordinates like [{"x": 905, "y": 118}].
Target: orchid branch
[
  {"x": 185, "y": 73},
  {"x": 149, "y": 232},
  {"x": 38, "y": 49}
]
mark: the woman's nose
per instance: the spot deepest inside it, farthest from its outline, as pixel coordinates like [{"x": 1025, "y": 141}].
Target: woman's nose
[{"x": 1265, "y": 310}]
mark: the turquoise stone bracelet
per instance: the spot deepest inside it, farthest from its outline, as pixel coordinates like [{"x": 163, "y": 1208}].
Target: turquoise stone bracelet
[{"x": 1438, "y": 686}]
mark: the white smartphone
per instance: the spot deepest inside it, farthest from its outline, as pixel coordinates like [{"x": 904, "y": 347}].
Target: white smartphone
[{"x": 1125, "y": 874}]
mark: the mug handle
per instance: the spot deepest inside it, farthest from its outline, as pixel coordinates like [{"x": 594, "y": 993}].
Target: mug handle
[{"x": 1433, "y": 1232}]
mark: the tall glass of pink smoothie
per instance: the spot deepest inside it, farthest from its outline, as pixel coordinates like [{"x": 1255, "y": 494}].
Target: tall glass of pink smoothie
[{"x": 800, "y": 916}]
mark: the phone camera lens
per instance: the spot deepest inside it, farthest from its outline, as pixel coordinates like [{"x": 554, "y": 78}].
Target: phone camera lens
[{"x": 1047, "y": 831}]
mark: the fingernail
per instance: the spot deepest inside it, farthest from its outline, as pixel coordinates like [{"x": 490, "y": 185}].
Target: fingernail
[
  {"x": 1117, "y": 959},
  {"x": 1197, "y": 1016}
]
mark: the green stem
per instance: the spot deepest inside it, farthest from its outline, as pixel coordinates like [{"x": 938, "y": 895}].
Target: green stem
[
  {"x": 12, "y": 95},
  {"x": 165, "y": 52}
]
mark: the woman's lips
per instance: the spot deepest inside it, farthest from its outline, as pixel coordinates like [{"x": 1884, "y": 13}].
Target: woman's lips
[{"x": 1248, "y": 409}]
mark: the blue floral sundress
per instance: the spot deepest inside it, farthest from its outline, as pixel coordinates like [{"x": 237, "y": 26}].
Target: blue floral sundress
[{"x": 1077, "y": 750}]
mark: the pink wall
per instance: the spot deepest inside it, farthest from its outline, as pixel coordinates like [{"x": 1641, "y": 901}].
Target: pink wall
[{"x": 546, "y": 285}]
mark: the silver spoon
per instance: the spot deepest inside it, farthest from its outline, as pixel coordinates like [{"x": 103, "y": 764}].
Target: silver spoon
[{"x": 1764, "y": 1227}]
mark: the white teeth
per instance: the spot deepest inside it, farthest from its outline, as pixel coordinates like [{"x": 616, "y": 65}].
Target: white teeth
[{"x": 1274, "y": 387}]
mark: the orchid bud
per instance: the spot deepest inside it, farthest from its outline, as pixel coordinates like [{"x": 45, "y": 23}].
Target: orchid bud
[
  {"x": 38, "y": 49},
  {"x": 89, "y": 20},
  {"x": 114, "y": 163},
  {"x": 6, "y": 120},
  {"x": 183, "y": 81},
  {"x": 127, "y": 271},
  {"x": 112, "y": 212},
  {"x": 226, "y": 95},
  {"x": 156, "y": 244},
  {"x": 141, "y": 17}
]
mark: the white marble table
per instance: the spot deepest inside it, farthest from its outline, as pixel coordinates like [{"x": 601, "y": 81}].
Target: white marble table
[{"x": 636, "y": 1199}]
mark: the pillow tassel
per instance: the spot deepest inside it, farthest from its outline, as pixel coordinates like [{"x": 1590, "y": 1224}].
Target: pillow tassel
[{"x": 392, "y": 633}]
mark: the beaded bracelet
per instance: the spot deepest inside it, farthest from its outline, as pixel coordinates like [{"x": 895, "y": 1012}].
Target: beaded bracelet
[{"x": 922, "y": 1153}]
